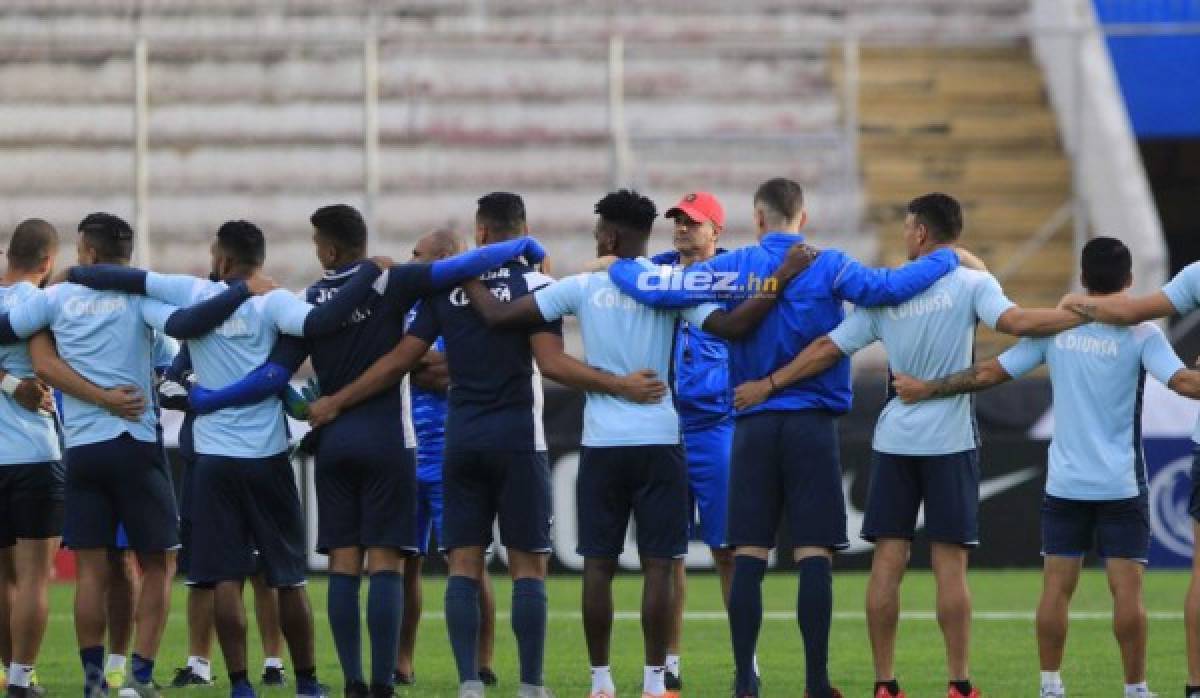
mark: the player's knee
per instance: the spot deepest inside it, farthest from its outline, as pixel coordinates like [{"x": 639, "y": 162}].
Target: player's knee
[{"x": 523, "y": 564}]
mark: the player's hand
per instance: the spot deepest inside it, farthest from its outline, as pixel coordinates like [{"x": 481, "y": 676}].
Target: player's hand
[
  {"x": 31, "y": 394},
  {"x": 322, "y": 411},
  {"x": 797, "y": 260},
  {"x": 533, "y": 251},
  {"x": 642, "y": 386},
  {"x": 969, "y": 260},
  {"x": 1073, "y": 302},
  {"x": 384, "y": 263},
  {"x": 125, "y": 401},
  {"x": 260, "y": 284},
  {"x": 910, "y": 390},
  {"x": 601, "y": 263},
  {"x": 751, "y": 393}
]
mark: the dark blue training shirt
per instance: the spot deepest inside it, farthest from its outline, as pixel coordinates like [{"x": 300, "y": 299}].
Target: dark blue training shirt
[{"x": 495, "y": 398}]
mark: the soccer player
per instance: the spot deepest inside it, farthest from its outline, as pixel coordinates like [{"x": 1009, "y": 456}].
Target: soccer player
[
  {"x": 632, "y": 459},
  {"x": 923, "y": 455},
  {"x": 785, "y": 455},
  {"x": 705, "y": 402},
  {"x": 1181, "y": 296},
  {"x": 115, "y": 469},
  {"x": 31, "y": 470},
  {"x": 1095, "y": 489},
  {"x": 429, "y": 384},
  {"x": 495, "y": 464}
]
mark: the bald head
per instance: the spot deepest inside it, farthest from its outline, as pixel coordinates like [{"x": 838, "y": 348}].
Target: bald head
[
  {"x": 438, "y": 244},
  {"x": 33, "y": 245}
]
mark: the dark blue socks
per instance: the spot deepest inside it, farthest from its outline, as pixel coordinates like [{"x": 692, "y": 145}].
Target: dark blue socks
[
  {"x": 385, "y": 604},
  {"x": 745, "y": 618},
  {"x": 462, "y": 624},
  {"x": 345, "y": 624},
  {"x": 143, "y": 669},
  {"x": 814, "y": 610},
  {"x": 93, "y": 669},
  {"x": 529, "y": 625}
]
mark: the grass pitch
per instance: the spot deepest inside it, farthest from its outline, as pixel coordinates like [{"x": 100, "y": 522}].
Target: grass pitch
[{"x": 1004, "y": 657}]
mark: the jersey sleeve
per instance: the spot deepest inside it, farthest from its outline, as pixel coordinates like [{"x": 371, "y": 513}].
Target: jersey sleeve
[
  {"x": 863, "y": 285},
  {"x": 1023, "y": 357},
  {"x": 34, "y": 312},
  {"x": 535, "y": 281},
  {"x": 175, "y": 289},
  {"x": 698, "y": 314},
  {"x": 407, "y": 282},
  {"x": 990, "y": 301},
  {"x": 287, "y": 312},
  {"x": 156, "y": 313},
  {"x": 165, "y": 349},
  {"x": 855, "y": 332},
  {"x": 1184, "y": 290},
  {"x": 560, "y": 298},
  {"x": 1158, "y": 358},
  {"x": 425, "y": 325}
]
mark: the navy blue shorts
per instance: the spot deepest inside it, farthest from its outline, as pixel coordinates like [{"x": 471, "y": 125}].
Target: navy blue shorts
[
  {"x": 243, "y": 505},
  {"x": 648, "y": 481},
  {"x": 429, "y": 515},
  {"x": 120, "y": 481},
  {"x": 708, "y": 454},
  {"x": 1118, "y": 528},
  {"x": 480, "y": 487},
  {"x": 31, "y": 501},
  {"x": 947, "y": 485},
  {"x": 366, "y": 483},
  {"x": 786, "y": 463}
]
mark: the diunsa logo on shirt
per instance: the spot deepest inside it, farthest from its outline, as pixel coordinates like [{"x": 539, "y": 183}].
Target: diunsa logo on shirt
[
  {"x": 922, "y": 305},
  {"x": 1085, "y": 344},
  {"x": 77, "y": 306}
]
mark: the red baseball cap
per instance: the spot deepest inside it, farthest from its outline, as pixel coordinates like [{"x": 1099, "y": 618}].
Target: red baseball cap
[{"x": 700, "y": 206}]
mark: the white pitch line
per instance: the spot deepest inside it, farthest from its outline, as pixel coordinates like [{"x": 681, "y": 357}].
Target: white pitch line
[{"x": 715, "y": 616}]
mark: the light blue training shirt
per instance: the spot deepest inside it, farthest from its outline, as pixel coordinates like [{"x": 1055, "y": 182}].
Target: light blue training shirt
[
  {"x": 1097, "y": 372},
  {"x": 621, "y": 336},
  {"x": 25, "y": 436},
  {"x": 929, "y": 336},
  {"x": 226, "y": 355},
  {"x": 1184, "y": 293},
  {"x": 108, "y": 337}
]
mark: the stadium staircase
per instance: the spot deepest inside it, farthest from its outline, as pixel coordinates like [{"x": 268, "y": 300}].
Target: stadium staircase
[{"x": 972, "y": 121}]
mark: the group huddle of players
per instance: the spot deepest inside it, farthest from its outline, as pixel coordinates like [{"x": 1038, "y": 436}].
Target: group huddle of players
[{"x": 714, "y": 382}]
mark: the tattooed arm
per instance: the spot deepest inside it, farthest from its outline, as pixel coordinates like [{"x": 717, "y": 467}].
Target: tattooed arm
[{"x": 981, "y": 376}]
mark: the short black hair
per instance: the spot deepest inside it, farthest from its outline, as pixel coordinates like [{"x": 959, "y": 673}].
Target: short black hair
[
  {"x": 243, "y": 242},
  {"x": 784, "y": 197},
  {"x": 341, "y": 224},
  {"x": 109, "y": 235},
  {"x": 32, "y": 242},
  {"x": 502, "y": 212},
  {"x": 940, "y": 213},
  {"x": 1107, "y": 265},
  {"x": 628, "y": 213}
]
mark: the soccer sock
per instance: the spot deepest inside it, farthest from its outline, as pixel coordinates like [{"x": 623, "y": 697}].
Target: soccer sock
[
  {"x": 963, "y": 687},
  {"x": 143, "y": 669},
  {"x": 200, "y": 667},
  {"x": 344, "y": 622},
  {"x": 602, "y": 680},
  {"x": 529, "y": 625},
  {"x": 462, "y": 624},
  {"x": 673, "y": 664},
  {"x": 814, "y": 611},
  {"x": 385, "y": 604},
  {"x": 653, "y": 680},
  {"x": 1051, "y": 679},
  {"x": 92, "y": 659},
  {"x": 20, "y": 675},
  {"x": 745, "y": 615},
  {"x": 115, "y": 662},
  {"x": 892, "y": 686},
  {"x": 1133, "y": 690},
  {"x": 272, "y": 663},
  {"x": 306, "y": 682}
]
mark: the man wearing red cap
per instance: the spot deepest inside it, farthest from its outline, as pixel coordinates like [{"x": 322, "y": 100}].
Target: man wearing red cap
[{"x": 705, "y": 402}]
